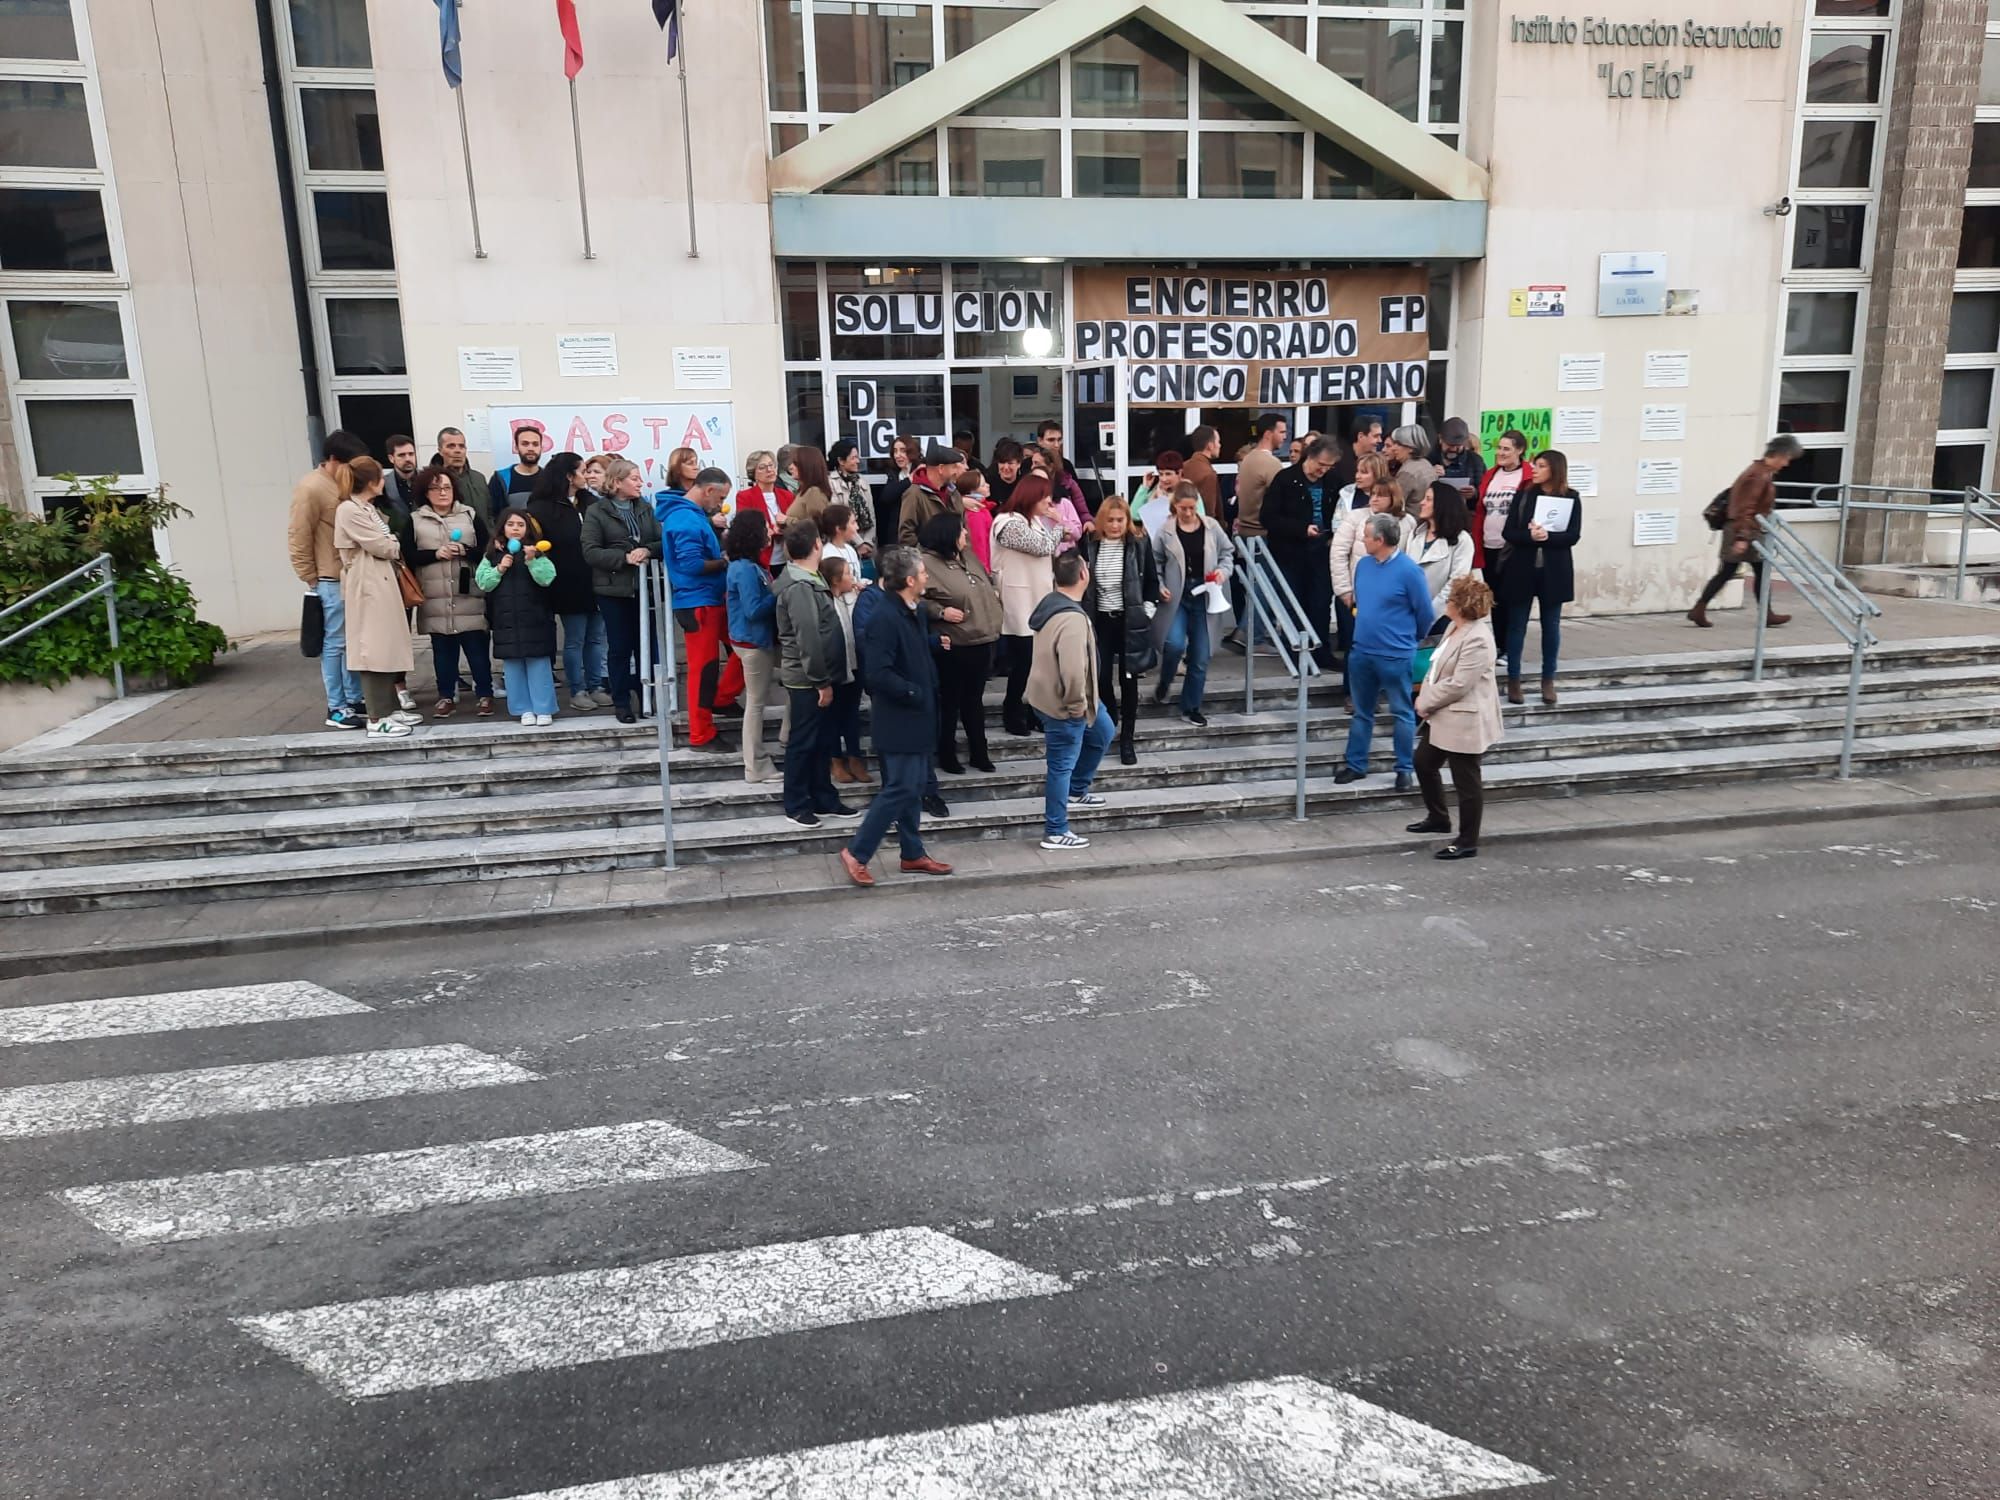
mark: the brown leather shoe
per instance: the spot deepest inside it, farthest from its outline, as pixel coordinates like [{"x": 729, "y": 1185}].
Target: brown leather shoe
[
  {"x": 1548, "y": 690},
  {"x": 840, "y": 771},
  {"x": 856, "y": 871},
  {"x": 1514, "y": 691},
  {"x": 926, "y": 866},
  {"x": 1699, "y": 614},
  {"x": 1774, "y": 618},
  {"x": 858, "y": 769}
]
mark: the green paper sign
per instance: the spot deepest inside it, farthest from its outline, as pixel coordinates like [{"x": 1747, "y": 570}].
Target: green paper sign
[{"x": 1538, "y": 422}]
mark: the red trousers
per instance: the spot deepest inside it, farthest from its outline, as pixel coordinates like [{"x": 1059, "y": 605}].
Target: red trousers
[{"x": 715, "y": 675}]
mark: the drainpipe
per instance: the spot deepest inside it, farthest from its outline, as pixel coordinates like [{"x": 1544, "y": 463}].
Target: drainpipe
[{"x": 288, "y": 206}]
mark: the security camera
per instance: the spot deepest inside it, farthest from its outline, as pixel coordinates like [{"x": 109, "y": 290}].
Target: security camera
[{"x": 1779, "y": 209}]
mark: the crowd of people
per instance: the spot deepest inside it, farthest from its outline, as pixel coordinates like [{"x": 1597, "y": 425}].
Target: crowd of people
[{"x": 807, "y": 588}]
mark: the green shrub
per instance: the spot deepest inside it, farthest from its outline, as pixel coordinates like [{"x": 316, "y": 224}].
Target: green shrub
[{"x": 160, "y": 632}]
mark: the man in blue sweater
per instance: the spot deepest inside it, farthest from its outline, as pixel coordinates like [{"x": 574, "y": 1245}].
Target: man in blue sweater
[
  {"x": 1392, "y": 608},
  {"x": 695, "y": 571}
]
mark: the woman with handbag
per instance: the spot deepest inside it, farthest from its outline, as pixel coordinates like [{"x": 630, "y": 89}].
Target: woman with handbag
[
  {"x": 965, "y": 610},
  {"x": 1189, "y": 551},
  {"x": 449, "y": 538},
  {"x": 1459, "y": 708},
  {"x": 1026, "y": 538},
  {"x": 1536, "y": 570},
  {"x": 1123, "y": 595},
  {"x": 376, "y": 589}
]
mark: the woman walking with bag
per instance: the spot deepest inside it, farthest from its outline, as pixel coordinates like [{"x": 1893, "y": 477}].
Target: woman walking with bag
[
  {"x": 1189, "y": 551},
  {"x": 1122, "y": 595},
  {"x": 1459, "y": 708},
  {"x": 1536, "y": 569},
  {"x": 1026, "y": 539},
  {"x": 449, "y": 539},
  {"x": 378, "y": 622}
]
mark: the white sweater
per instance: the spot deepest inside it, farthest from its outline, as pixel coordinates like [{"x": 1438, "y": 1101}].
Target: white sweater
[{"x": 1441, "y": 563}]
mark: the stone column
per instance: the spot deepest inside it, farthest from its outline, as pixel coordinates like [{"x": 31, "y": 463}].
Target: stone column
[{"x": 13, "y": 483}]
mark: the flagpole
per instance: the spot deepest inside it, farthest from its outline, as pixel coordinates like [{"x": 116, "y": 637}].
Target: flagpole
[
  {"x": 582, "y": 191},
  {"x": 687, "y": 134},
  {"x": 471, "y": 192}
]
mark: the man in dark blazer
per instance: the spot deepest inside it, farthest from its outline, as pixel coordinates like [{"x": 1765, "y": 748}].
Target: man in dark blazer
[{"x": 895, "y": 653}]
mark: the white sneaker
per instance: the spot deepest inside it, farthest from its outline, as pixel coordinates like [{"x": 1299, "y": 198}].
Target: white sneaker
[
  {"x": 405, "y": 701},
  {"x": 527, "y": 721},
  {"x": 544, "y": 720},
  {"x": 407, "y": 716},
  {"x": 1088, "y": 799},
  {"x": 390, "y": 728},
  {"x": 1065, "y": 841}
]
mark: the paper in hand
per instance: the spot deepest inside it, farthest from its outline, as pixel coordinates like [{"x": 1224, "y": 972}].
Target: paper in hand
[{"x": 1553, "y": 512}]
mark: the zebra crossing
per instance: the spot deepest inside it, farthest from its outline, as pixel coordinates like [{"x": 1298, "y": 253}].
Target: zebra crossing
[{"x": 1284, "y": 1438}]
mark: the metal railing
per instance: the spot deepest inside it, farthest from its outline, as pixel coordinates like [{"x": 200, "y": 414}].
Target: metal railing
[
  {"x": 106, "y": 588},
  {"x": 1830, "y": 592},
  {"x": 1973, "y": 507},
  {"x": 658, "y": 680},
  {"x": 1268, "y": 597}
]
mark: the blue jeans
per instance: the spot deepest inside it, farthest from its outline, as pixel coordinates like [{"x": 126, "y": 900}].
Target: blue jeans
[
  {"x": 597, "y": 658},
  {"x": 477, "y": 645},
  {"x": 1075, "y": 746},
  {"x": 901, "y": 801},
  {"x": 1517, "y": 636},
  {"x": 1188, "y": 634},
  {"x": 576, "y": 631},
  {"x": 1372, "y": 676},
  {"x": 342, "y": 686},
  {"x": 531, "y": 685},
  {"x": 621, "y": 629}
]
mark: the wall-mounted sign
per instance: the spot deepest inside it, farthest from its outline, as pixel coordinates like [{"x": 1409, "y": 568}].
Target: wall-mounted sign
[
  {"x": 643, "y": 431},
  {"x": 1668, "y": 369},
  {"x": 586, "y": 354},
  {"x": 1663, "y": 424},
  {"x": 489, "y": 369},
  {"x": 1659, "y": 476},
  {"x": 1631, "y": 284},
  {"x": 1655, "y": 528},
  {"x": 1536, "y": 301},
  {"x": 1233, "y": 339},
  {"x": 1532, "y": 422},
  {"x": 1579, "y": 424},
  {"x": 1579, "y": 372},
  {"x": 1583, "y": 478},
  {"x": 1653, "y": 78},
  {"x": 701, "y": 369},
  {"x": 1014, "y": 310}
]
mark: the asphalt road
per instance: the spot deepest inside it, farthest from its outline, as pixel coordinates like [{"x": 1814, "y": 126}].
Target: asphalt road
[{"x": 1662, "y": 1170}]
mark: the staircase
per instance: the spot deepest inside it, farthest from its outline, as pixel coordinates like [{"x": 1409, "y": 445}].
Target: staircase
[{"x": 96, "y": 828}]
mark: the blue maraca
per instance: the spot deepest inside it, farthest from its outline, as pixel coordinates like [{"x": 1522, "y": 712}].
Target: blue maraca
[
  {"x": 457, "y": 534},
  {"x": 513, "y": 544}
]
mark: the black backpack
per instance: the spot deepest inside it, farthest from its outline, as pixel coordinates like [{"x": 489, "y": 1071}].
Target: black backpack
[{"x": 1716, "y": 512}]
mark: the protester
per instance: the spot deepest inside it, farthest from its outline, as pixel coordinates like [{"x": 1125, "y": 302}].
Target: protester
[
  {"x": 620, "y": 535},
  {"x": 517, "y": 478},
  {"x": 977, "y": 496},
  {"x": 1458, "y": 458},
  {"x": 515, "y": 575},
  {"x": 695, "y": 568},
  {"x": 552, "y": 502},
  {"x": 871, "y": 603},
  {"x": 377, "y": 621},
  {"x": 1460, "y": 709},
  {"x": 309, "y": 539},
  {"x": 1363, "y": 446},
  {"x": 811, "y": 661},
  {"x": 1751, "y": 498},
  {"x": 592, "y": 489},
  {"x": 1123, "y": 596},
  {"x": 1301, "y": 445},
  {"x": 1409, "y": 449},
  {"x": 678, "y": 474},
  {"x": 905, "y": 458},
  {"x": 468, "y": 481},
  {"x": 596, "y": 645},
  {"x": 1049, "y": 438},
  {"x": 1350, "y": 543},
  {"x": 1298, "y": 514},
  {"x": 1204, "y": 447},
  {"x": 1255, "y": 469},
  {"x": 930, "y": 492},
  {"x": 965, "y": 612},
  {"x": 753, "y": 632},
  {"x": 763, "y": 491},
  {"x": 1026, "y": 538},
  {"x": 848, "y": 487},
  {"x": 813, "y": 488},
  {"x": 843, "y": 724},
  {"x": 1496, "y": 497},
  {"x": 395, "y": 514},
  {"x": 1441, "y": 541},
  {"x": 1156, "y": 491},
  {"x": 1067, "y": 506},
  {"x": 839, "y": 535},
  {"x": 1537, "y": 570},
  {"x": 398, "y": 480},
  {"x": 895, "y": 649},
  {"x": 1192, "y": 550},
  {"x": 1008, "y": 458},
  {"x": 1392, "y": 610},
  {"x": 449, "y": 541},
  {"x": 1062, "y": 687}
]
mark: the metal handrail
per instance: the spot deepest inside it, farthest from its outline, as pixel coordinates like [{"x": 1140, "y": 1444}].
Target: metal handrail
[
  {"x": 107, "y": 589},
  {"x": 1972, "y": 504},
  {"x": 1832, "y": 595},
  {"x": 658, "y": 679},
  {"x": 1265, "y": 591}
]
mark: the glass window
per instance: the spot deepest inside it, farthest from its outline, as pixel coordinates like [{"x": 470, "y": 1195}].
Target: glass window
[
  {"x": 1967, "y": 400},
  {"x": 1339, "y": 173},
  {"x": 1243, "y": 164},
  {"x": 1836, "y": 153},
  {"x": 1850, "y": 7},
  {"x": 1224, "y": 98},
  {"x": 966, "y": 26},
  {"x": 909, "y": 171},
  {"x": 798, "y": 293},
  {"x": 1812, "y": 401},
  {"x": 1438, "y": 315},
  {"x": 1005, "y": 163},
  {"x": 921, "y": 316},
  {"x": 1378, "y": 57},
  {"x": 38, "y": 29},
  {"x": 373, "y": 415},
  {"x": 1017, "y": 309},
  {"x": 1989, "y": 72},
  {"x": 84, "y": 437},
  {"x": 53, "y": 229},
  {"x": 68, "y": 340},
  {"x": 367, "y": 336},
  {"x": 913, "y": 405},
  {"x": 1979, "y": 238},
  {"x": 44, "y": 123},
  {"x": 1447, "y": 70},
  {"x": 1820, "y": 322},
  {"x": 1975, "y": 323},
  {"x": 1814, "y": 467},
  {"x": 1288, "y": 29},
  {"x": 1985, "y": 169},
  {"x": 805, "y": 408},
  {"x": 784, "y": 137},
  {"x": 1959, "y": 466},
  {"x": 1828, "y": 236},
  {"x": 1131, "y": 72},
  {"x": 1038, "y": 95},
  {"x": 343, "y": 133},
  {"x": 1844, "y": 69},
  {"x": 331, "y": 34},
  {"x": 785, "y": 53},
  {"x": 867, "y": 50},
  {"x": 353, "y": 231},
  {"x": 1130, "y": 163}
]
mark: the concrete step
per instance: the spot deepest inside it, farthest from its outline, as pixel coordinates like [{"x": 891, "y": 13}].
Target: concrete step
[{"x": 141, "y": 883}]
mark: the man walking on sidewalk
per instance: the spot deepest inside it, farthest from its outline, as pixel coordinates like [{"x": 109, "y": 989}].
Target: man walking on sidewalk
[
  {"x": 1751, "y": 498},
  {"x": 902, "y": 693},
  {"x": 309, "y": 540},
  {"x": 1392, "y": 609},
  {"x": 1062, "y": 690}
]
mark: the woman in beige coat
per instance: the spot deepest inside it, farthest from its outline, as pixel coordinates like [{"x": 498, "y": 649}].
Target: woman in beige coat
[
  {"x": 1460, "y": 709},
  {"x": 1026, "y": 538},
  {"x": 378, "y": 626}
]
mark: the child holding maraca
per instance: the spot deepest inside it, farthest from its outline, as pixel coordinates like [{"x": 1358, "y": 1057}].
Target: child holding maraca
[{"x": 514, "y": 575}]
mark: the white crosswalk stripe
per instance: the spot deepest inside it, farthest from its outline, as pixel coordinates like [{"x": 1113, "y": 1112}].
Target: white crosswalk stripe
[
  {"x": 246, "y": 1088},
  {"x": 388, "y": 1344},
  {"x": 398, "y": 1182},
  {"x": 183, "y": 1010},
  {"x": 1285, "y": 1439}
]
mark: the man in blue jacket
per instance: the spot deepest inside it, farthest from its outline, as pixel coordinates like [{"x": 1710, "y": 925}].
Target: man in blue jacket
[
  {"x": 895, "y": 651},
  {"x": 1392, "y": 609},
  {"x": 695, "y": 569}
]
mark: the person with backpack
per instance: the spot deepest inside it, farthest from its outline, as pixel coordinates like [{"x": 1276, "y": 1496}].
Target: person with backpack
[{"x": 1738, "y": 513}]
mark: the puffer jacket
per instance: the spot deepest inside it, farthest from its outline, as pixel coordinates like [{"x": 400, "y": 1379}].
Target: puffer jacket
[
  {"x": 524, "y": 627},
  {"x": 607, "y": 539},
  {"x": 812, "y": 648},
  {"x": 961, "y": 583},
  {"x": 452, "y": 603}
]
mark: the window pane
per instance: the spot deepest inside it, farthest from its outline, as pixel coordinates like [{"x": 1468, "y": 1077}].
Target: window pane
[
  {"x": 1967, "y": 401},
  {"x": 53, "y": 229},
  {"x": 1829, "y": 236},
  {"x": 1006, "y": 163},
  {"x": 367, "y": 336},
  {"x": 1339, "y": 173},
  {"x": 68, "y": 340},
  {"x": 867, "y": 50},
  {"x": 84, "y": 437},
  {"x": 1985, "y": 172},
  {"x": 1979, "y": 238},
  {"x": 44, "y": 124},
  {"x": 1438, "y": 315},
  {"x": 1850, "y": 7},
  {"x": 1378, "y": 57},
  {"x": 1447, "y": 70},
  {"x": 1131, "y": 163},
  {"x": 966, "y": 26},
  {"x": 1130, "y": 73},
  {"x": 343, "y": 133},
  {"x": 1844, "y": 70},
  {"x": 798, "y": 292},
  {"x": 1239, "y": 164},
  {"x": 1959, "y": 466},
  {"x": 924, "y": 283},
  {"x": 354, "y": 231},
  {"x": 1989, "y": 72},
  {"x": 1289, "y": 29},
  {"x": 784, "y": 137},
  {"x": 913, "y": 405},
  {"x": 373, "y": 416},
  {"x": 910, "y": 171},
  {"x": 331, "y": 33},
  {"x": 785, "y": 52},
  {"x": 1019, "y": 307},
  {"x": 1836, "y": 153},
  {"x": 805, "y": 409},
  {"x": 1224, "y": 98},
  {"x": 37, "y": 29},
  {"x": 1820, "y": 322},
  {"x": 1814, "y": 467},
  {"x": 1039, "y": 95},
  {"x": 1812, "y": 401},
  {"x": 1975, "y": 323}
]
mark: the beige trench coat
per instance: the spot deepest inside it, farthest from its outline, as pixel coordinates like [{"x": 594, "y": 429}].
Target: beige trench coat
[
  {"x": 378, "y": 629},
  {"x": 1459, "y": 698}
]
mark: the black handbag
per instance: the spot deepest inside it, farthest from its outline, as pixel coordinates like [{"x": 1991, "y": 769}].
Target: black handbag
[
  {"x": 312, "y": 626},
  {"x": 1716, "y": 512}
]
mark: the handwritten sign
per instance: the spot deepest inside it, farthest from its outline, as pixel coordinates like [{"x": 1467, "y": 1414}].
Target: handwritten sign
[
  {"x": 645, "y": 432},
  {"x": 1536, "y": 423}
]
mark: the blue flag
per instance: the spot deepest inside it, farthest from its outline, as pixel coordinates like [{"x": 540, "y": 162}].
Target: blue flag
[
  {"x": 668, "y": 14},
  {"x": 454, "y": 74}
]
